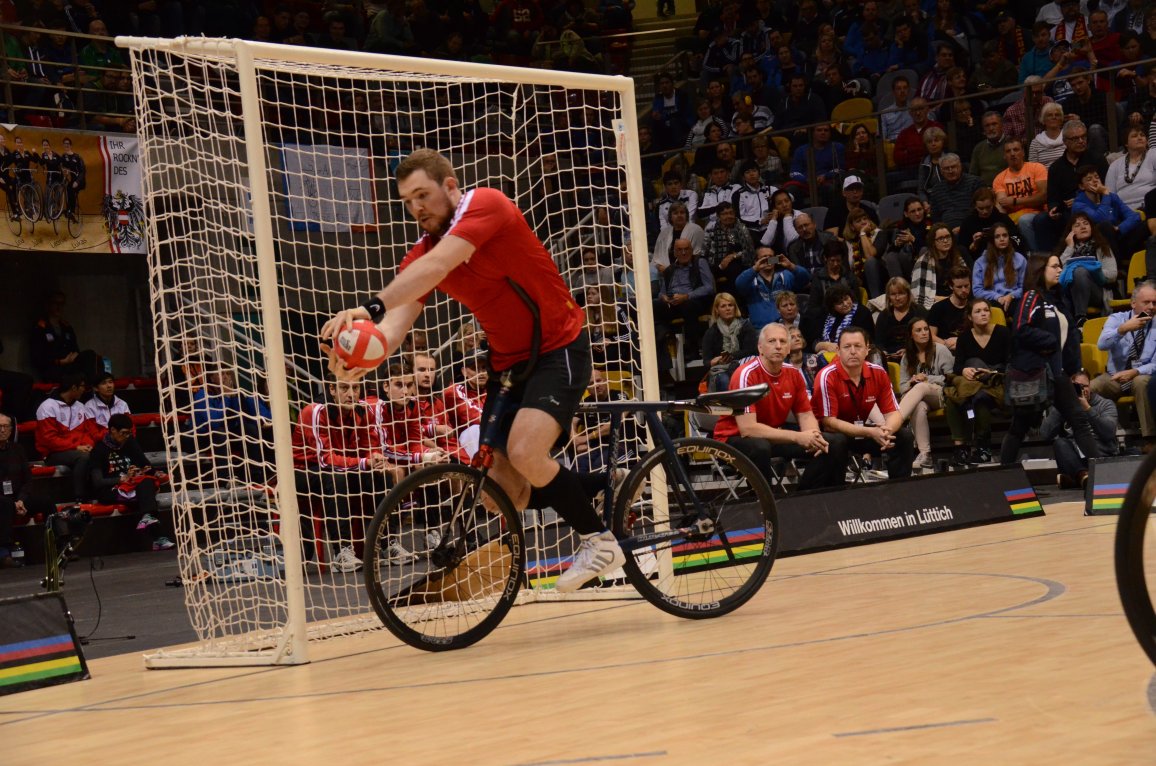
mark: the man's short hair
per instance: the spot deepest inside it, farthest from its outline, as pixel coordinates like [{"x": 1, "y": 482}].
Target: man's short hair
[
  {"x": 719, "y": 166},
  {"x": 1072, "y": 126},
  {"x": 992, "y": 113},
  {"x": 120, "y": 422},
  {"x": 100, "y": 377},
  {"x": 784, "y": 296},
  {"x": 1041, "y": 26},
  {"x": 949, "y": 157},
  {"x": 960, "y": 272},
  {"x": 435, "y": 165},
  {"x": 71, "y": 380},
  {"x": 853, "y": 329},
  {"x": 899, "y": 78},
  {"x": 1013, "y": 140},
  {"x": 671, "y": 175},
  {"x": 725, "y": 206},
  {"x": 749, "y": 165}
]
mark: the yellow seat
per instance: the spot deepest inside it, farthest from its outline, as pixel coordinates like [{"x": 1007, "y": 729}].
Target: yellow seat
[
  {"x": 863, "y": 296},
  {"x": 783, "y": 146},
  {"x": 1092, "y": 330},
  {"x": 853, "y": 110},
  {"x": 1137, "y": 269},
  {"x": 997, "y": 316},
  {"x": 894, "y": 371},
  {"x": 1090, "y": 359}
]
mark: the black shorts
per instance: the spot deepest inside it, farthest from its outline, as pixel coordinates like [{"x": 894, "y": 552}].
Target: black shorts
[{"x": 555, "y": 387}]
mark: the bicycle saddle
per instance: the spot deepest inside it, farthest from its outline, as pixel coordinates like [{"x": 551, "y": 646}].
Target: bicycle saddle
[{"x": 728, "y": 402}]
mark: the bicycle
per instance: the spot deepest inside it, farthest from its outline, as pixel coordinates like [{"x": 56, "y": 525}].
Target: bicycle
[
  {"x": 1131, "y": 537},
  {"x": 695, "y": 516}
]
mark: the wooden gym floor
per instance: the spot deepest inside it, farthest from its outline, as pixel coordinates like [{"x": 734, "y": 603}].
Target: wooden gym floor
[{"x": 1002, "y": 644}]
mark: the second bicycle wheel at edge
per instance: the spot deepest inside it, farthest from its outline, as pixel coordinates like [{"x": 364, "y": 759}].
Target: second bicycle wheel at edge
[
  {"x": 454, "y": 594},
  {"x": 699, "y": 576},
  {"x": 1132, "y": 572}
]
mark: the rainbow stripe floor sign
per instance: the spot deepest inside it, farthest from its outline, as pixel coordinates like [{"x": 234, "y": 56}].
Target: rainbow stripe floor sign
[
  {"x": 1108, "y": 480},
  {"x": 38, "y": 644}
]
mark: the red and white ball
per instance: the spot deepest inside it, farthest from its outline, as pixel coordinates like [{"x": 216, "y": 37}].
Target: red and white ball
[{"x": 363, "y": 345}]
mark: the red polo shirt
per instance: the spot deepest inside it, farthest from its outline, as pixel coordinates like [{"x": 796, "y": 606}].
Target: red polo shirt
[
  {"x": 787, "y": 394},
  {"x": 836, "y": 396}
]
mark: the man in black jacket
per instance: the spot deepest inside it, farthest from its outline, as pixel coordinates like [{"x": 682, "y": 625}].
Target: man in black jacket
[
  {"x": 17, "y": 504},
  {"x": 120, "y": 473}
]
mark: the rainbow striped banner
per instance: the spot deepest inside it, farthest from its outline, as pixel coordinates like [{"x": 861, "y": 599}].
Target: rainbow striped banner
[
  {"x": 38, "y": 646},
  {"x": 1108, "y": 497},
  {"x": 1023, "y": 501}
]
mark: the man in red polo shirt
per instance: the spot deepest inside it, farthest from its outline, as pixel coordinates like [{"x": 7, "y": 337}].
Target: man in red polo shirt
[
  {"x": 847, "y": 392},
  {"x": 760, "y": 432}
]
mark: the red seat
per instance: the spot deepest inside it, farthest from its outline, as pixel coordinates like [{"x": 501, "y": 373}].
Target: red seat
[
  {"x": 38, "y": 120},
  {"x": 43, "y": 470},
  {"x": 43, "y": 388},
  {"x": 146, "y": 419},
  {"x": 100, "y": 509}
]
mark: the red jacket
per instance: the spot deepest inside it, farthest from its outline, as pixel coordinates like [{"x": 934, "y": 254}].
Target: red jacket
[
  {"x": 396, "y": 432},
  {"x": 909, "y": 148},
  {"x": 62, "y": 427},
  {"x": 330, "y": 437}
]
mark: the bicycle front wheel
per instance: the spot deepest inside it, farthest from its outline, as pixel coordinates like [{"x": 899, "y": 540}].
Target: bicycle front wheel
[
  {"x": 1136, "y": 556},
  {"x": 29, "y": 197},
  {"x": 75, "y": 224},
  {"x": 707, "y": 571},
  {"x": 444, "y": 558}
]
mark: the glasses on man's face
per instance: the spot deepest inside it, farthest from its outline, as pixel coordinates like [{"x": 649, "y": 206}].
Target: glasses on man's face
[{"x": 1082, "y": 137}]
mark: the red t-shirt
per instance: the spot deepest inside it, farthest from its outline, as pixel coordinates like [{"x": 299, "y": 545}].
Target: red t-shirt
[
  {"x": 836, "y": 396},
  {"x": 787, "y": 394},
  {"x": 506, "y": 247}
]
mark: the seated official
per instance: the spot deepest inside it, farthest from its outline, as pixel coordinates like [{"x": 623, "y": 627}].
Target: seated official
[
  {"x": 1131, "y": 347},
  {"x": 845, "y": 394},
  {"x": 762, "y": 433}
]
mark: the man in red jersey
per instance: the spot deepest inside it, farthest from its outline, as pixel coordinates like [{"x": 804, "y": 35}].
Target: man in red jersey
[
  {"x": 462, "y": 405},
  {"x": 476, "y": 246},
  {"x": 845, "y": 395},
  {"x": 338, "y": 468},
  {"x": 761, "y": 433}
]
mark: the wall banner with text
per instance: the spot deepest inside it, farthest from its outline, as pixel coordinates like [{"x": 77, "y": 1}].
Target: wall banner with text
[{"x": 70, "y": 191}]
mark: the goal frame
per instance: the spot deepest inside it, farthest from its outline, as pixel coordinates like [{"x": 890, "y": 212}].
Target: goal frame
[{"x": 290, "y": 645}]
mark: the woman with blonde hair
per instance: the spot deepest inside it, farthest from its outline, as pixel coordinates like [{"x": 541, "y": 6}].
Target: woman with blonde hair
[
  {"x": 1048, "y": 144},
  {"x": 729, "y": 339}
]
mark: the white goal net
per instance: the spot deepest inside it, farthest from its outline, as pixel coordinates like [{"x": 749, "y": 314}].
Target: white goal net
[{"x": 270, "y": 204}]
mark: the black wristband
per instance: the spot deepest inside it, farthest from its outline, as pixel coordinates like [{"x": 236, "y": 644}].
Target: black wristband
[{"x": 375, "y": 308}]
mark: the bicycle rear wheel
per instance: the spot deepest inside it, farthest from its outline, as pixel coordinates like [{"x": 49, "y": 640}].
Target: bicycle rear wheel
[
  {"x": 699, "y": 574},
  {"x": 1136, "y": 556},
  {"x": 448, "y": 594},
  {"x": 15, "y": 219}
]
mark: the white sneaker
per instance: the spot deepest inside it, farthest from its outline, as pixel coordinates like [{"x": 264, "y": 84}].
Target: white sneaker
[
  {"x": 346, "y": 560},
  {"x": 396, "y": 553},
  {"x": 433, "y": 539},
  {"x": 597, "y": 555},
  {"x": 923, "y": 461}
]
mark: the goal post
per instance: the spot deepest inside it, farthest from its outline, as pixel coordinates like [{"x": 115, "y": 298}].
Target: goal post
[{"x": 271, "y": 204}]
